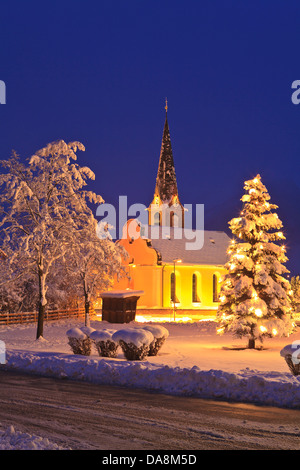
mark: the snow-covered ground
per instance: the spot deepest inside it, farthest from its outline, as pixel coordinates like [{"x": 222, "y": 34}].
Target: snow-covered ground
[
  {"x": 194, "y": 361},
  {"x": 10, "y": 439}
]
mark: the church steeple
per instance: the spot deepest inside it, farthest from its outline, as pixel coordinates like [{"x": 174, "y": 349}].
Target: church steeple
[
  {"x": 166, "y": 208},
  {"x": 166, "y": 184}
]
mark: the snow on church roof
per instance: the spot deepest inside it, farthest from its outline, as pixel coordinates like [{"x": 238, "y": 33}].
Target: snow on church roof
[{"x": 172, "y": 244}]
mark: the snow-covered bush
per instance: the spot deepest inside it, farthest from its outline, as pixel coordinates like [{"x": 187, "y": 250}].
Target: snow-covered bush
[
  {"x": 291, "y": 354},
  {"x": 80, "y": 343},
  {"x": 104, "y": 343},
  {"x": 160, "y": 334},
  {"x": 87, "y": 330},
  {"x": 135, "y": 343}
]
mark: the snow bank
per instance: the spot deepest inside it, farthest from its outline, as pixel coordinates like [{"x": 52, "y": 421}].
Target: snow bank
[
  {"x": 10, "y": 439},
  {"x": 265, "y": 388}
]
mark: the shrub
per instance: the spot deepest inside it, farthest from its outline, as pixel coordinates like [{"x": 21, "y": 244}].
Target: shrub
[
  {"x": 80, "y": 343},
  {"x": 106, "y": 347},
  {"x": 135, "y": 343},
  {"x": 291, "y": 354},
  {"x": 160, "y": 334}
]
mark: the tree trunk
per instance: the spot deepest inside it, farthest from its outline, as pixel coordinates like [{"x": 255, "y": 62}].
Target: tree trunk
[
  {"x": 40, "y": 325},
  {"x": 251, "y": 343},
  {"x": 87, "y": 310},
  {"x": 42, "y": 305}
]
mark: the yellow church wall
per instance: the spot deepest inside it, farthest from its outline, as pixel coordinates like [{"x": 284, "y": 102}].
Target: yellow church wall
[
  {"x": 155, "y": 281},
  {"x": 184, "y": 286}
]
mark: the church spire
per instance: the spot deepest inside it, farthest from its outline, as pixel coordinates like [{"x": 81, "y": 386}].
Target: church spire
[
  {"x": 165, "y": 208},
  {"x": 166, "y": 183}
]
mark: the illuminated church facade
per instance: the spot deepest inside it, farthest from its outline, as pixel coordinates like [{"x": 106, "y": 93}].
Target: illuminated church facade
[{"x": 159, "y": 263}]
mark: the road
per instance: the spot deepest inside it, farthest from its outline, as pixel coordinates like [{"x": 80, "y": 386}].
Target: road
[{"x": 84, "y": 416}]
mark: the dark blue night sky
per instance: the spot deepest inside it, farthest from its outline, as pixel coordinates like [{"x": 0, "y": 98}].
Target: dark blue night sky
[{"x": 99, "y": 72}]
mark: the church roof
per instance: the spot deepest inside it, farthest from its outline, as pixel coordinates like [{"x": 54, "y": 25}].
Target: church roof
[{"x": 171, "y": 247}]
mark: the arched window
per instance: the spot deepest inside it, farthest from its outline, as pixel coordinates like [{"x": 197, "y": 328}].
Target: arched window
[
  {"x": 171, "y": 219},
  {"x": 195, "y": 289},
  {"x": 215, "y": 288},
  {"x": 157, "y": 218},
  {"x": 175, "y": 220},
  {"x": 174, "y": 288}
]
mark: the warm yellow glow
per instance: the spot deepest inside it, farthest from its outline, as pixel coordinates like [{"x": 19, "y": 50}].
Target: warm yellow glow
[
  {"x": 220, "y": 330},
  {"x": 263, "y": 329},
  {"x": 291, "y": 292},
  {"x": 280, "y": 234},
  {"x": 274, "y": 332},
  {"x": 254, "y": 295},
  {"x": 258, "y": 312},
  {"x": 252, "y": 191},
  {"x": 222, "y": 298},
  {"x": 142, "y": 319},
  {"x": 232, "y": 266},
  {"x": 255, "y": 180}
]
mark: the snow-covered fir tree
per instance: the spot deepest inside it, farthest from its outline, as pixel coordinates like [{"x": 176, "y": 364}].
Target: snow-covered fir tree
[{"x": 255, "y": 296}]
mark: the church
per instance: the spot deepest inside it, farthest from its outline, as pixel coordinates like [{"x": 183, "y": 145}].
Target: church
[{"x": 175, "y": 280}]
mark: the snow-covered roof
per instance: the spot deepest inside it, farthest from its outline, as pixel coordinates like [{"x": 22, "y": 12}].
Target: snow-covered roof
[
  {"x": 172, "y": 244},
  {"x": 121, "y": 294}
]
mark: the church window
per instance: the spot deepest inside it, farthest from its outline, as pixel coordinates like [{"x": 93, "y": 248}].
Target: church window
[
  {"x": 157, "y": 218},
  {"x": 215, "y": 288},
  {"x": 173, "y": 295},
  {"x": 195, "y": 289}
]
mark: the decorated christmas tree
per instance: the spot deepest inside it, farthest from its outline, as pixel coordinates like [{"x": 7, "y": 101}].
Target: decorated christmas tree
[{"x": 255, "y": 297}]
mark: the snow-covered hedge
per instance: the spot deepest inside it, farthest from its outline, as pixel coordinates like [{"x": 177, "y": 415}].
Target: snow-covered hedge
[
  {"x": 160, "y": 334},
  {"x": 104, "y": 343},
  {"x": 135, "y": 343},
  {"x": 80, "y": 343}
]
